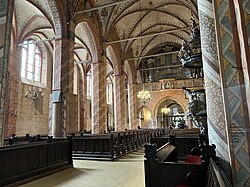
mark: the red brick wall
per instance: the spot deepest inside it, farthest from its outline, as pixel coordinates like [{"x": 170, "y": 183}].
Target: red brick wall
[{"x": 10, "y": 125}]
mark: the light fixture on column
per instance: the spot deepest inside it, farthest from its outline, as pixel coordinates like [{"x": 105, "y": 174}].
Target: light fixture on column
[{"x": 34, "y": 94}]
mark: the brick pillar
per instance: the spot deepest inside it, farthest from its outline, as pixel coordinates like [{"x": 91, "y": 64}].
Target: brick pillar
[
  {"x": 99, "y": 101},
  {"x": 132, "y": 109},
  {"x": 10, "y": 125},
  {"x": 6, "y": 13},
  {"x": 64, "y": 102},
  {"x": 120, "y": 103},
  {"x": 233, "y": 63},
  {"x": 83, "y": 102}
]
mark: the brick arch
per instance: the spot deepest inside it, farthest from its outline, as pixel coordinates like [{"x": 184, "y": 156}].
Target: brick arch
[
  {"x": 167, "y": 98},
  {"x": 89, "y": 38},
  {"x": 176, "y": 95},
  {"x": 57, "y": 18},
  {"x": 113, "y": 58},
  {"x": 130, "y": 72}
]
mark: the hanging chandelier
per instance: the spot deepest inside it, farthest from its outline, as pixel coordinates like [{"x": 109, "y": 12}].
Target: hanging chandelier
[
  {"x": 165, "y": 110},
  {"x": 144, "y": 96}
]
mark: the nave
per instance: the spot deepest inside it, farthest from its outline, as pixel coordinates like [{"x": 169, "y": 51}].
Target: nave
[{"x": 126, "y": 171}]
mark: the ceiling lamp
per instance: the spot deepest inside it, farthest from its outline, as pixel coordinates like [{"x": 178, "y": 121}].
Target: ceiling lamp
[
  {"x": 143, "y": 96},
  {"x": 165, "y": 110}
]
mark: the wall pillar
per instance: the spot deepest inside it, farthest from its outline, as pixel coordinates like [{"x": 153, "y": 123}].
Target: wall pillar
[
  {"x": 11, "y": 113},
  {"x": 99, "y": 100},
  {"x": 232, "y": 60},
  {"x": 83, "y": 102},
  {"x": 217, "y": 128},
  {"x": 6, "y": 13},
  {"x": 119, "y": 103},
  {"x": 132, "y": 108}
]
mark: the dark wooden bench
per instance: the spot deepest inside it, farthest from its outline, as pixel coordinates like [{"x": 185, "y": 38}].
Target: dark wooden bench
[
  {"x": 92, "y": 146},
  {"x": 162, "y": 167},
  {"x": 109, "y": 146},
  {"x": 13, "y": 139},
  {"x": 184, "y": 143},
  {"x": 24, "y": 162},
  {"x": 215, "y": 176}
]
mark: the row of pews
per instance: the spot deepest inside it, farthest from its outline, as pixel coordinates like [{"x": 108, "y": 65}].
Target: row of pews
[
  {"x": 22, "y": 161},
  {"x": 26, "y": 158},
  {"x": 177, "y": 160},
  {"x": 112, "y": 145}
]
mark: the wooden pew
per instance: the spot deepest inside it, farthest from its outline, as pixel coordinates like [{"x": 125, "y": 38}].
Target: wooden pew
[
  {"x": 12, "y": 140},
  {"x": 184, "y": 143},
  {"x": 109, "y": 146},
  {"x": 94, "y": 146},
  {"x": 24, "y": 162},
  {"x": 215, "y": 176},
  {"x": 162, "y": 169}
]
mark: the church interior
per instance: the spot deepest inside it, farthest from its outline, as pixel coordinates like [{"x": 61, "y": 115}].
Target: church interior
[{"x": 157, "y": 81}]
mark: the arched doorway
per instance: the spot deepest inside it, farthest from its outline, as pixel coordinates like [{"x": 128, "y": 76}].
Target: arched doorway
[{"x": 170, "y": 113}]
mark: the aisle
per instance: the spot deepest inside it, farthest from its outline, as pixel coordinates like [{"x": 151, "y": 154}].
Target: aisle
[{"x": 127, "y": 171}]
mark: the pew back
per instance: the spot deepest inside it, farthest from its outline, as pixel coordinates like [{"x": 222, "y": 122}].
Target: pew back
[
  {"x": 93, "y": 146},
  {"x": 24, "y": 161},
  {"x": 167, "y": 153},
  {"x": 162, "y": 169},
  {"x": 215, "y": 176}
]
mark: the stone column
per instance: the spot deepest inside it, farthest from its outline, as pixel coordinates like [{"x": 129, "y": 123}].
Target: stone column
[
  {"x": 215, "y": 109},
  {"x": 132, "y": 108},
  {"x": 63, "y": 101},
  {"x": 119, "y": 103},
  {"x": 6, "y": 13},
  {"x": 99, "y": 101},
  {"x": 242, "y": 14},
  {"x": 83, "y": 102},
  {"x": 232, "y": 59}
]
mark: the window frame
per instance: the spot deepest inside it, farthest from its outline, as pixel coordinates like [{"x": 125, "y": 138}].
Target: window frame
[
  {"x": 39, "y": 77},
  {"x": 37, "y": 51}
]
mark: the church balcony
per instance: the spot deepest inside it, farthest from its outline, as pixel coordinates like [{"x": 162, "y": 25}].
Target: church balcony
[{"x": 164, "y": 84}]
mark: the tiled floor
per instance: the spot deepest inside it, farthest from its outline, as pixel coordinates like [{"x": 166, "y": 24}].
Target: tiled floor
[{"x": 127, "y": 171}]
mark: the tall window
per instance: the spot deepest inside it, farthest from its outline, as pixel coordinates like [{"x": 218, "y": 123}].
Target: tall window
[
  {"x": 31, "y": 61},
  {"x": 75, "y": 81},
  {"x": 89, "y": 85},
  {"x": 109, "y": 91}
]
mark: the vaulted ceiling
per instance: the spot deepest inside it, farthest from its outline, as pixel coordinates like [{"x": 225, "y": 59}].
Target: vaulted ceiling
[
  {"x": 148, "y": 17},
  {"x": 33, "y": 20},
  {"x": 143, "y": 25}
]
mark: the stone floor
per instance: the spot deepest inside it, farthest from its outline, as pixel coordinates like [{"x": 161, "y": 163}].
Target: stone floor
[{"x": 127, "y": 171}]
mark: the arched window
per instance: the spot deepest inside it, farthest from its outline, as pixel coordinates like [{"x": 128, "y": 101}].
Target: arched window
[
  {"x": 31, "y": 68},
  {"x": 109, "y": 91},
  {"x": 75, "y": 84},
  {"x": 89, "y": 85}
]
